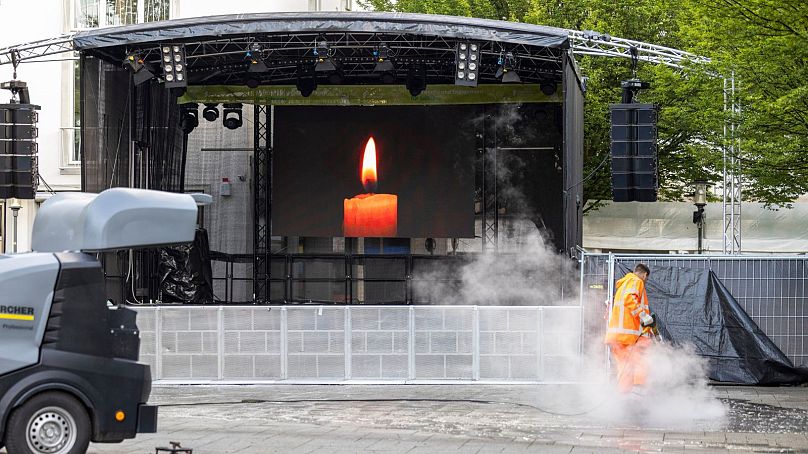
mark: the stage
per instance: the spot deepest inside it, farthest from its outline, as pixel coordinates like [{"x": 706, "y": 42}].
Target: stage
[{"x": 275, "y": 116}]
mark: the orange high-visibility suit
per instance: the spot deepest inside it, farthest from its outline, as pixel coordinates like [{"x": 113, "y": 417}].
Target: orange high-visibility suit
[{"x": 626, "y": 337}]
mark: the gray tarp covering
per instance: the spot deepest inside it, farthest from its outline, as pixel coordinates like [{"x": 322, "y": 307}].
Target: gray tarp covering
[{"x": 323, "y": 22}]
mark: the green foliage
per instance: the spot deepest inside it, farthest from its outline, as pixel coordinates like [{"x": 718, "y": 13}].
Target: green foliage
[{"x": 764, "y": 43}]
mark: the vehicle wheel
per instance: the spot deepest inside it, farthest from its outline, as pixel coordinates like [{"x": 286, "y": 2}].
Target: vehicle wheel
[{"x": 49, "y": 423}]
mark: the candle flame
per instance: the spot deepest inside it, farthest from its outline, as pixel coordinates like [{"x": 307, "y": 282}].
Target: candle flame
[{"x": 369, "y": 176}]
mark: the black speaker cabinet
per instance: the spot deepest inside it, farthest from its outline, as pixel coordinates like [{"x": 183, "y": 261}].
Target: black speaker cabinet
[{"x": 634, "y": 152}]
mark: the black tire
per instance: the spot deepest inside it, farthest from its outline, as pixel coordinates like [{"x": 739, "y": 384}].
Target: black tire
[{"x": 49, "y": 423}]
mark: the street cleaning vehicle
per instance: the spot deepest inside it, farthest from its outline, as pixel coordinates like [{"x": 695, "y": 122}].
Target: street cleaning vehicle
[{"x": 69, "y": 370}]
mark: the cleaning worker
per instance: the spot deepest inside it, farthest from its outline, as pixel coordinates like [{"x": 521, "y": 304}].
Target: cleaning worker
[{"x": 630, "y": 329}]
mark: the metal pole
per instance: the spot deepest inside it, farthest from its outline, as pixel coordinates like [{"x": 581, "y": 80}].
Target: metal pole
[{"x": 15, "y": 211}]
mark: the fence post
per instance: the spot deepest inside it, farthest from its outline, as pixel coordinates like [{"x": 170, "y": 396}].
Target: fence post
[
  {"x": 411, "y": 345},
  {"x": 475, "y": 342},
  {"x": 348, "y": 346},
  {"x": 158, "y": 342},
  {"x": 540, "y": 344},
  {"x": 284, "y": 345},
  {"x": 581, "y": 303},
  {"x": 610, "y": 296},
  {"x": 220, "y": 340}
]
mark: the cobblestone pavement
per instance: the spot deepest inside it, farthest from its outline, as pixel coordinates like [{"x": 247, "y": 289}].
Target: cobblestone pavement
[{"x": 465, "y": 419}]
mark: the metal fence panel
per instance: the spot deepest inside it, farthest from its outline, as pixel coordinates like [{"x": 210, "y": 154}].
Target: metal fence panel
[
  {"x": 770, "y": 289},
  {"x": 331, "y": 344}
]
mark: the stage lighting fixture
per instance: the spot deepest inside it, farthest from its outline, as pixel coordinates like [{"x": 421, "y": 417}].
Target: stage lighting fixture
[
  {"x": 467, "y": 64},
  {"x": 231, "y": 113},
  {"x": 255, "y": 60},
  {"x": 548, "y": 87},
  {"x": 323, "y": 53},
  {"x": 306, "y": 82},
  {"x": 383, "y": 63},
  {"x": 506, "y": 71},
  {"x": 416, "y": 80},
  {"x": 173, "y": 64},
  {"x": 140, "y": 71},
  {"x": 252, "y": 82},
  {"x": 211, "y": 112},
  {"x": 189, "y": 117}
]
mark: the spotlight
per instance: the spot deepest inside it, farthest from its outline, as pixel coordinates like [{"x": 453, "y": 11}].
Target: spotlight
[
  {"x": 253, "y": 57},
  {"x": 548, "y": 87},
  {"x": 173, "y": 64},
  {"x": 416, "y": 80},
  {"x": 467, "y": 64},
  {"x": 231, "y": 113},
  {"x": 189, "y": 117},
  {"x": 140, "y": 73},
  {"x": 323, "y": 53},
  {"x": 252, "y": 82},
  {"x": 210, "y": 112},
  {"x": 506, "y": 72},
  {"x": 306, "y": 82},
  {"x": 383, "y": 63}
]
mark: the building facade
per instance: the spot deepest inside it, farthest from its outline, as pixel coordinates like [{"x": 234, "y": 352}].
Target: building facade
[{"x": 53, "y": 81}]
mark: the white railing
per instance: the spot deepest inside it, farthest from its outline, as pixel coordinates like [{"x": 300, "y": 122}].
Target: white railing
[{"x": 335, "y": 344}]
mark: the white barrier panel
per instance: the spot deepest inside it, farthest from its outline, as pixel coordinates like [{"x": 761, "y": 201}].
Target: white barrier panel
[{"x": 335, "y": 344}]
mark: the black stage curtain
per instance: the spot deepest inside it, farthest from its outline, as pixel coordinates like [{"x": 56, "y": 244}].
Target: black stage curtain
[
  {"x": 573, "y": 194},
  {"x": 131, "y": 136}
]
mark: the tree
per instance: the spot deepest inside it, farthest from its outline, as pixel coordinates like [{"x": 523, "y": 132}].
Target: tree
[{"x": 764, "y": 42}]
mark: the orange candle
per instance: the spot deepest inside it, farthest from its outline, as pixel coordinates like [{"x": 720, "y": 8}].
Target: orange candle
[{"x": 370, "y": 214}]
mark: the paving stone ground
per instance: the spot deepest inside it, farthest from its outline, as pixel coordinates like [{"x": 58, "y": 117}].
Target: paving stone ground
[{"x": 468, "y": 419}]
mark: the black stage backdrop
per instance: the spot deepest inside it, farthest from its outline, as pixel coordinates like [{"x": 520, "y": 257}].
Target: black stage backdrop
[{"x": 425, "y": 156}]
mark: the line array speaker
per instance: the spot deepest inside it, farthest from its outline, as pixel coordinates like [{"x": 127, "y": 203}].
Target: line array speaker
[
  {"x": 634, "y": 152},
  {"x": 18, "y": 160}
]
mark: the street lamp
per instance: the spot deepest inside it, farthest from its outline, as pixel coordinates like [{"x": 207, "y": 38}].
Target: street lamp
[
  {"x": 700, "y": 200},
  {"x": 15, "y": 210}
]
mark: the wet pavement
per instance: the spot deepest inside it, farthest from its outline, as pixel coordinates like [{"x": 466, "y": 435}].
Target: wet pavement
[{"x": 473, "y": 419}]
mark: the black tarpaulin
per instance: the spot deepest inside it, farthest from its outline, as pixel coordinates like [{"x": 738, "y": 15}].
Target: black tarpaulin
[
  {"x": 322, "y": 22},
  {"x": 694, "y": 307},
  {"x": 185, "y": 272}
]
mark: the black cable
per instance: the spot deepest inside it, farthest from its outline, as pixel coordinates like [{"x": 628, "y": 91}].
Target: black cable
[
  {"x": 591, "y": 174},
  {"x": 47, "y": 186}
]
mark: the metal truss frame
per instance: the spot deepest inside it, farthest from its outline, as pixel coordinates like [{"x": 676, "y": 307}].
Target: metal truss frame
[
  {"x": 36, "y": 49},
  {"x": 731, "y": 197},
  {"x": 597, "y": 44},
  {"x": 262, "y": 202},
  {"x": 219, "y": 61}
]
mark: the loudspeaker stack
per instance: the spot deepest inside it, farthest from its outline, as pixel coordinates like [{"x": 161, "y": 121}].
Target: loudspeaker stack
[
  {"x": 18, "y": 150},
  {"x": 634, "y": 152}
]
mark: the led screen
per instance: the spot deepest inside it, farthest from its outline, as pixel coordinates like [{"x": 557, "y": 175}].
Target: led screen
[{"x": 382, "y": 171}]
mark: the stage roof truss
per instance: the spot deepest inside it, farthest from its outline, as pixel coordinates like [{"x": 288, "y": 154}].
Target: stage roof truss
[
  {"x": 226, "y": 61},
  {"x": 599, "y": 44}
]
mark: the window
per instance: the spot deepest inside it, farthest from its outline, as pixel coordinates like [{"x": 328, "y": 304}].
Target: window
[
  {"x": 94, "y": 14},
  {"x": 71, "y": 134},
  {"x": 105, "y": 13}
]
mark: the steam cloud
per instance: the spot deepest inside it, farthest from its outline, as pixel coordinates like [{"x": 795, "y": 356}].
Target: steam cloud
[{"x": 527, "y": 271}]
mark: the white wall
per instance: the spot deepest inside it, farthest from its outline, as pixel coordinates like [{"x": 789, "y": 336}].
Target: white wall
[
  {"x": 21, "y": 22},
  {"x": 50, "y": 83}
]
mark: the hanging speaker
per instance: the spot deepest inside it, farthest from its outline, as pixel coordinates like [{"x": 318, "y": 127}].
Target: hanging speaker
[
  {"x": 18, "y": 161},
  {"x": 634, "y": 152}
]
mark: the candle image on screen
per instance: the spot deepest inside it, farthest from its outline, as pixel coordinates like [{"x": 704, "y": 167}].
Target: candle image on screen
[{"x": 370, "y": 214}]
